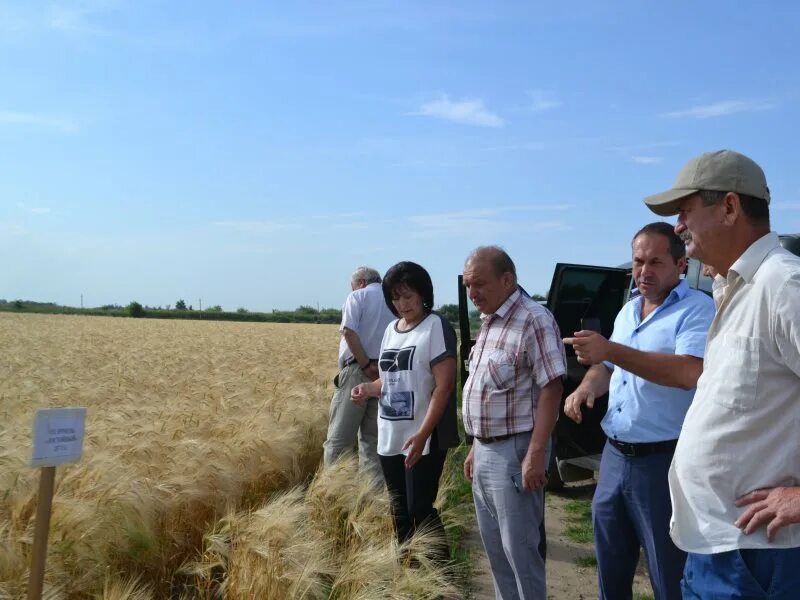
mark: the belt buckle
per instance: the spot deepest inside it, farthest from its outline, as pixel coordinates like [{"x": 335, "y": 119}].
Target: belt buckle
[{"x": 627, "y": 449}]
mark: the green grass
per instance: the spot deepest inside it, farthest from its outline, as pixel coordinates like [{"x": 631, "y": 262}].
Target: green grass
[
  {"x": 585, "y": 562},
  {"x": 581, "y": 509},
  {"x": 457, "y": 508},
  {"x": 644, "y": 596},
  {"x": 579, "y": 521},
  {"x": 580, "y": 533},
  {"x": 458, "y": 505}
]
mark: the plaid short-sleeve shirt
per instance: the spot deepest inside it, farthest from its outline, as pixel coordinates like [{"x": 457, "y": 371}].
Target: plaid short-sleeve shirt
[{"x": 518, "y": 351}]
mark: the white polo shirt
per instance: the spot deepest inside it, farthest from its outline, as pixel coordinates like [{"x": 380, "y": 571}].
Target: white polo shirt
[
  {"x": 366, "y": 313},
  {"x": 742, "y": 432}
]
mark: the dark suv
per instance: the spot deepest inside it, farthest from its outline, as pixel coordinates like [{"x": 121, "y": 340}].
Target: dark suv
[{"x": 586, "y": 297}]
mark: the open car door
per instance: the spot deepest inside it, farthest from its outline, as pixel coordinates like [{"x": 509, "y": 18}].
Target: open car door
[
  {"x": 584, "y": 297},
  {"x": 466, "y": 341}
]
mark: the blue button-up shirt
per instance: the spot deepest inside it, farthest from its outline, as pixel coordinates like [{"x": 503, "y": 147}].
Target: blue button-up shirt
[{"x": 640, "y": 411}]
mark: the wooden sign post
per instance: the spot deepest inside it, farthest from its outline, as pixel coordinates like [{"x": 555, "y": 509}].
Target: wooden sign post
[{"x": 57, "y": 440}]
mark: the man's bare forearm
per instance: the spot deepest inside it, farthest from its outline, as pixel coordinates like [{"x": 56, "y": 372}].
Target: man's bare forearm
[
  {"x": 596, "y": 380},
  {"x": 673, "y": 370},
  {"x": 546, "y": 416},
  {"x": 354, "y": 343}
]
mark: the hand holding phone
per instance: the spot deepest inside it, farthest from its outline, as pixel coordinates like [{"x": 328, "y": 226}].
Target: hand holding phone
[{"x": 591, "y": 324}]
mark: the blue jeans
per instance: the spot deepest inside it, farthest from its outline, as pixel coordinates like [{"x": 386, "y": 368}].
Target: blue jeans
[
  {"x": 763, "y": 574},
  {"x": 632, "y": 509}
]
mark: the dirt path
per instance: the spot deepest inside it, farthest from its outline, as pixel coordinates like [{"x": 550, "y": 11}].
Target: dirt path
[{"x": 566, "y": 580}]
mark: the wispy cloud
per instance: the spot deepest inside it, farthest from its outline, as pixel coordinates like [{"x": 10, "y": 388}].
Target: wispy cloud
[
  {"x": 647, "y": 160},
  {"x": 12, "y": 230},
  {"x": 469, "y": 111},
  {"x": 39, "y": 121},
  {"x": 488, "y": 221},
  {"x": 257, "y": 227},
  {"x": 79, "y": 18},
  {"x": 720, "y": 109},
  {"x": 522, "y": 146},
  {"x": 314, "y": 223},
  {"x": 36, "y": 210},
  {"x": 346, "y": 215},
  {"x": 535, "y": 208},
  {"x": 542, "y": 100},
  {"x": 355, "y": 225},
  {"x": 105, "y": 20},
  {"x": 642, "y": 149}
]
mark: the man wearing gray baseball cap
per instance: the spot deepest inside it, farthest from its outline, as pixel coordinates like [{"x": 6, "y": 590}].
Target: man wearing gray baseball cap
[{"x": 740, "y": 441}]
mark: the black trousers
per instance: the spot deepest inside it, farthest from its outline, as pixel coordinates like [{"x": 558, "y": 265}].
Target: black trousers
[{"x": 413, "y": 492}]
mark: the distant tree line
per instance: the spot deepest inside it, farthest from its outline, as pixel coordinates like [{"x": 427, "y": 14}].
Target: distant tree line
[{"x": 302, "y": 314}]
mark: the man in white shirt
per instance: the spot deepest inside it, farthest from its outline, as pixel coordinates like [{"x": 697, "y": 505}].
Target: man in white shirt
[
  {"x": 364, "y": 320},
  {"x": 740, "y": 441}
]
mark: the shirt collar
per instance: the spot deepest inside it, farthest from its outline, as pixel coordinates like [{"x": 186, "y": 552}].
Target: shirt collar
[
  {"x": 675, "y": 294},
  {"x": 679, "y": 290},
  {"x": 747, "y": 264},
  {"x": 504, "y": 307}
]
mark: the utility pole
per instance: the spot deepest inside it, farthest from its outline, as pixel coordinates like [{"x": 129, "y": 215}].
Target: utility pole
[{"x": 81, "y": 301}]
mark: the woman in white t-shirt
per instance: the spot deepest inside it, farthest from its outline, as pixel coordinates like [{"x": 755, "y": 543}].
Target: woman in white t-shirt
[{"x": 417, "y": 399}]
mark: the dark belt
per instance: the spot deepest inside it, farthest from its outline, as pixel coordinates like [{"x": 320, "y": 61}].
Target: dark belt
[
  {"x": 352, "y": 360},
  {"x": 498, "y": 438},
  {"x": 644, "y": 449}
]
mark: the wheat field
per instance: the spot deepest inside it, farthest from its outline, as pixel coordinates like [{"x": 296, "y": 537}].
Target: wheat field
[{"x": 199, "y": 476}]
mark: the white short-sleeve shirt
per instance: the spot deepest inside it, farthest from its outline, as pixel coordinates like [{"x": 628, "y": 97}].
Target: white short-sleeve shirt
[
  {"x": 366, "y": 313},
  {"x": 407, "y": 383}
]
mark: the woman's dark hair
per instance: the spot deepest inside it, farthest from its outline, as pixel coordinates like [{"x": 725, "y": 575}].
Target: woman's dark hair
[{"x": 410, "y": 275}]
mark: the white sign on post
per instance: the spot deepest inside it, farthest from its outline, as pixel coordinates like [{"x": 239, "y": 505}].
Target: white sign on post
[{"x": 58, "y": 436}]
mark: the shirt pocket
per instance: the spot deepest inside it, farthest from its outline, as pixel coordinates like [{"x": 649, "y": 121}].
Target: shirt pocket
[
  {"x": 501, "y": 368},
  {"x": 736, "y": 366}
]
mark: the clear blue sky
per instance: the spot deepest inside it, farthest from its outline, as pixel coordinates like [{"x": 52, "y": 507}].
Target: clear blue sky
[{"x": 252, "y": 154}]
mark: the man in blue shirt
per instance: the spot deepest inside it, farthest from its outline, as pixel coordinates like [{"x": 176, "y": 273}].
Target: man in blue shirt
[{"x": 649, "y": 368}]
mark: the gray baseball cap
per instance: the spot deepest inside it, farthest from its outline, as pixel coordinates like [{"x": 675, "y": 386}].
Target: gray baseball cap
[{"x": 721, "y": 171}]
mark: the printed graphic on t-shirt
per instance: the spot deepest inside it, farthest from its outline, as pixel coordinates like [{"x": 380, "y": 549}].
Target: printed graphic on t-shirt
[
  {"x": 397, "y": 395},
  {"x": 397, "y": 406},
  {"x": 394, "y": 359}
]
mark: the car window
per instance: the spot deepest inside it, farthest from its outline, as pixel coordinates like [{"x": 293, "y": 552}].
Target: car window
[
  {"x": 695, "y": 277},
  {"x": 582, "y": 292},
  {"x": 791, "y": 242}
]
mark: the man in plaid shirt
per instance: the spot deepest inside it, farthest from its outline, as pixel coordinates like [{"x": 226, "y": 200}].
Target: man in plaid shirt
[{"x": 510, "y": 403}]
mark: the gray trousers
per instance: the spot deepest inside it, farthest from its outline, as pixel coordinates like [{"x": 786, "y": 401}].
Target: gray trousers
[
  {"x": 350, "y": 424},
  {"x": 509, "y": 520}
]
